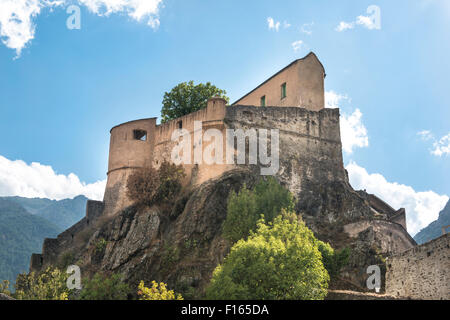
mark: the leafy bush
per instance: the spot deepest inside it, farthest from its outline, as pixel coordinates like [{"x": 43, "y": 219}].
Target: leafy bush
[
  {"x": 148, "y": 186},
  {"x": 244, "y": 209},
  {"x": 187, "y": 97},
  {"x": 333, "y": 260},
  {"x": 104, "y": 287},
  {"x": 47, "y": 285},
  {"x": 4, "y": 287},
  {"x": 281, "y": 260},
  {"x": 157, "y": 292},
  {"x": 100, "y": 245}
]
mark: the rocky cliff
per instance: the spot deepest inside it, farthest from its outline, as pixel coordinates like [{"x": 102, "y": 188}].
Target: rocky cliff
[{"x": 181, "y": 244}]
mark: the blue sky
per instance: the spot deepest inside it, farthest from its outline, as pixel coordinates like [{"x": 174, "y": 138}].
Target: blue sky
[{"x": 64, "y": 91}]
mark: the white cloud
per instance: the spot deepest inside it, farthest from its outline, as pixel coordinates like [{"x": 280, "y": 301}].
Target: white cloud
[
  {"x": 422, "y": 208},
  {"x": 297, "y": 45},
  {"x": 140, "y": 10},
  {"x": 306, "y": 28},
  {"x": 366, "y": 22},
  {"x": 426, "y": 135},
  {"x": 16, "y": 16},
  {"x": 372, "y": 22},
  {"x": 353, "y": 132},
  {"x": 272, "y": 24},
  {"x": 440, "y": 146},
  {"x": 286, "y": 25},
  {"x": 344, "y": 26},
  {"x": 16, "y": 25},
  {"x": 18, "y": 178},
  {"x": 333, "y": 99}
]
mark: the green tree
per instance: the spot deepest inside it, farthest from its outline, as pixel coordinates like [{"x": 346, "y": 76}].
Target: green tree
[
  {"x": 281, "y": 260},
  {"x": 244, "y": 209},
  {"x": 104, "y": 287},
  {"x": 333, "y": 260},
  {"x": 187, "y": 97},
  {"x": 47, "y": 285}
]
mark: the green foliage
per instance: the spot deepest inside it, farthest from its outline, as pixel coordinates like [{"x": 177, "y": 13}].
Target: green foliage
[
  {"x": 66, "y": 259},
  {"x": 170, "y": 176},
  {"x": 104, "y": 287},
  {"x": 157, "y": 292},
  {"x": 100, "y": 245},
  {"x": 149, "y": 186},
  {"x": 47, "y": 285},
  {"x": 170, "y": 256},
  {"x": 4, "y": 287},
  {"x": 187, "y": 97},
  {"x": 244, "y": 209},
  {"x": 333, "y": 260},
  {"x": 281, "y": 260}
]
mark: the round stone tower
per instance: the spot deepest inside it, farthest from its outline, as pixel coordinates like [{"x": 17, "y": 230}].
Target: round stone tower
[{"x": 131, "y": 147}]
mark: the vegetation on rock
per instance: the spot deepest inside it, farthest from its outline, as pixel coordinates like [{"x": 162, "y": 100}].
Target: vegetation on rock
[
  {"x": 281, "y": 260},
  {"x": 244, "y": 209},
  {"x": 157, "y": 292},
  {"x": 47, "y": 285},
  {"x": 333, "y": 260},
  {"x": 104, "y": 287},
  {"x": 148, "y": 186}
]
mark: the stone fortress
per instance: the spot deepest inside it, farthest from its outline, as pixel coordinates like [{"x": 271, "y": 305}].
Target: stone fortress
[{"x": 311, "y": 167}]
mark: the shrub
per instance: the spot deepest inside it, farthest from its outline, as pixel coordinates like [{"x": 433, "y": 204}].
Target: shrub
[
  {"x": 104, "y": 287},
  {"x": 281, "y": 260},
  {"x": 170, "y": 176},
  {"x": 157, "y": 292},
  {"x": 47, "y": 285},
  {"x": 4, "y": 287},
  {"x": 333, "y": 260},
  {"x": 244, "y": 209},
  {"x": 100, "y": 245},
  {"x": 148, "y": 186}
]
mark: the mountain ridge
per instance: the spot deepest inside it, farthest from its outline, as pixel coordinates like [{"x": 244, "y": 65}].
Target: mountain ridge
[
  {"x": 26, "y": 222},
  {"x": 434, "y": 229}
]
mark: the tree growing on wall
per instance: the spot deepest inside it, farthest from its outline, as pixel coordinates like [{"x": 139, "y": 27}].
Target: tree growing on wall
[{"x": 187, "y": 97}]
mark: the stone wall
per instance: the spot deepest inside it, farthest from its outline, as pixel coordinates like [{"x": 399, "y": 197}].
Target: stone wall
[
  {"x": 391, "y": 237},
  {"x": 421, "y": 272},
  {"x": 52, "y": 248}
]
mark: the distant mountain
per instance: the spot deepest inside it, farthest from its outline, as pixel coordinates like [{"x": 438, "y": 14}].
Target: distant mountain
[
  {"x": 62, "y": 213},
  {"x": 434, "y": 229},
  {"x": 26, "y": 222},
  {"x": 21, "y": 234}
]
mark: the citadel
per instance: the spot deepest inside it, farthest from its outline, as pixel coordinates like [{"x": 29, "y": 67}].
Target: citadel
[{"x": 310, "y": 162}]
